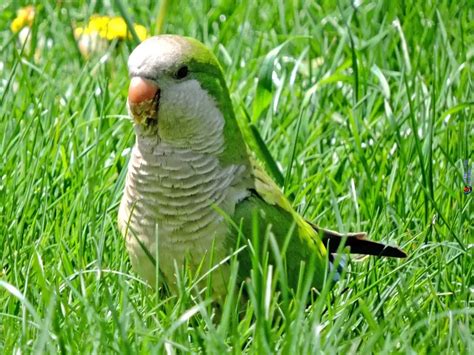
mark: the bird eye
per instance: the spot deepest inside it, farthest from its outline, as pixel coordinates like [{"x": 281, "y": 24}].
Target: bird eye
[{"x": 182, "y": 72}]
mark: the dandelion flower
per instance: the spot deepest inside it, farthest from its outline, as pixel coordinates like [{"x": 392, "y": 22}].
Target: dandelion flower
[
  {"x": 24, "y": 18},
  {"x": 95, "y": 35}
]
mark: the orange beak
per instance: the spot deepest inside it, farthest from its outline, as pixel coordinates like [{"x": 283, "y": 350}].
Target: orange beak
[{"x": 143, "y": 99}]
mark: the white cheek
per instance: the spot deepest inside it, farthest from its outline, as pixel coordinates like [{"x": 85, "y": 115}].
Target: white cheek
[{"x": 188, "y": 115}]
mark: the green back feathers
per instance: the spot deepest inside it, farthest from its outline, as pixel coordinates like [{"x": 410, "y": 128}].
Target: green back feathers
[{"x": 275, "y": 212}]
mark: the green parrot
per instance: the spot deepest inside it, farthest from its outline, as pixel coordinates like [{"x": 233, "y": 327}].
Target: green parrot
[{"x": 194, "y": 188}]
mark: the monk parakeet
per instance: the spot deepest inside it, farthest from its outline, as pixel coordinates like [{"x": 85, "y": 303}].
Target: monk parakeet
[{"x": 192, "y": 182}]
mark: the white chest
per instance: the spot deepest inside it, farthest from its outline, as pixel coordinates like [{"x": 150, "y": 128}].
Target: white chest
[{"x": 173, "y": 206}]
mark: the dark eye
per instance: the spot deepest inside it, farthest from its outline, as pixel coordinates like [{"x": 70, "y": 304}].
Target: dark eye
[{"x": 182, "y": 72}]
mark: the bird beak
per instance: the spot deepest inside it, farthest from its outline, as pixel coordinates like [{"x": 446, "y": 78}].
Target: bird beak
[{"x": 143, "y": 99}]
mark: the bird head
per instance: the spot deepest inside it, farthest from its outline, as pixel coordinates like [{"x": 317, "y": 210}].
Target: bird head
[{"x": 178, "y": 95}]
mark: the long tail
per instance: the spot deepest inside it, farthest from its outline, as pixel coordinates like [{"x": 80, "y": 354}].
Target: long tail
[{"x": 357, "y": 243}]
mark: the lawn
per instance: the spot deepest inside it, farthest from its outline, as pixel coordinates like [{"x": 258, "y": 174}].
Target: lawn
[{"x": 367, "y": 109}]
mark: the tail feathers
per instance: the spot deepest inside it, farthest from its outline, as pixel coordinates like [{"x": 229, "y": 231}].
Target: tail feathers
[{"x": 357, "y": 243}]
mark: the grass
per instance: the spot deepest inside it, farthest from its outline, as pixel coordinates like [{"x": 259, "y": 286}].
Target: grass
[{"x": 370, "y": 106}]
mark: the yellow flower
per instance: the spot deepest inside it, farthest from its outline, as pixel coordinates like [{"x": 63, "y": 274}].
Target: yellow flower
[
  {"x": 78, "y": 32},
  {"x": 110, "y": 28},
  {"x": 116, "y": 29},
  {"x": 141, "y": 31},
  {"x": 24, "y": 18}
]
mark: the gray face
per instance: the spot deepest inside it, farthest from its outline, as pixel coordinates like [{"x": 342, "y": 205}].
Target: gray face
[
  {"x": 159, "y": 58},
  {"x": 187, "y": 116}
]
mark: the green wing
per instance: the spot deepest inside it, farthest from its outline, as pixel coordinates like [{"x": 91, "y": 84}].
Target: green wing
[{"x": 297, "y": 241}]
